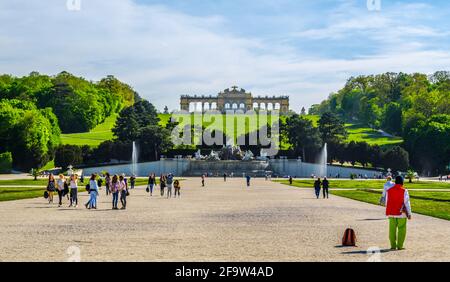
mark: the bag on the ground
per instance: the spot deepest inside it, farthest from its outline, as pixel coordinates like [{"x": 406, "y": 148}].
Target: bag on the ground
[
  {"x": 349, "y": 239},
  {"x": 45, "y": 194}
]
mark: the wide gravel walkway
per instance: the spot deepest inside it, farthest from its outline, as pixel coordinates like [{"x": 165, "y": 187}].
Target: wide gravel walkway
[{"x": 222, "y": 222}]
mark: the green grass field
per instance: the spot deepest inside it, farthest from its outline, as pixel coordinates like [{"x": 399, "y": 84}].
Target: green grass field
[
  {"x": 435, "y": 204},
  {"x": 368, "y": 184},
  {"x": 432, "y": 203}
]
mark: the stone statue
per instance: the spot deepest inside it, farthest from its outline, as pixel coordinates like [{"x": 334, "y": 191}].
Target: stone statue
[
  {"x": 198, "y": 156},
  {"x": 262, "y": 155},
  {"x": 248, "y": 156},
  {"x": 213, "y": 156}
]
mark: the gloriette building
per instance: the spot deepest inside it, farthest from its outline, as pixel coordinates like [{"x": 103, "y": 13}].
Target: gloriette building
[{"x": 234, "y": 99}]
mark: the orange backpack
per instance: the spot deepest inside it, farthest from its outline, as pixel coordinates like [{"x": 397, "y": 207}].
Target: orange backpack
[{"x": 349, "y": 239}]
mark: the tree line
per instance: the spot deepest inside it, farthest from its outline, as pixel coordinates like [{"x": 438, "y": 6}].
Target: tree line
[
  {"x": 413, "y": 106},
  {"x": 35, "y": 109}
]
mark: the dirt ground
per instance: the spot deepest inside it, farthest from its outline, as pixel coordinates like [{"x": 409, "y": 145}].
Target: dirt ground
[{"x": 225, "y": 221}]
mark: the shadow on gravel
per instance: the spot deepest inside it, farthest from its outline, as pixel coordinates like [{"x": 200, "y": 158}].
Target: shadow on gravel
[
  {"x": 362, "y": 252},
  {"x": 371, "y": 219}
]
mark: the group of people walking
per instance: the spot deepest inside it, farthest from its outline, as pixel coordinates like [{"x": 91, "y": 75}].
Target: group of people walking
[{"x": 116, "y": 185}]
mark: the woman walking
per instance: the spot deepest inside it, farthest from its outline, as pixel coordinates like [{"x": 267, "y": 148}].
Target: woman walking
[
  {"x": 115, "y": 191},
  {"x": 108, "y": 183},
  {"x": 177, "y": 187},
  {"x": 51, "y": 187},
  {"x": 151, "y": 183},
  {"x": 93, "y": 191},
  {"x": 123, "y": 192},
  {"x": 60, "y": 188},
  {"x": 73, "y": 190},
  {"x": 162, "y": 184}
]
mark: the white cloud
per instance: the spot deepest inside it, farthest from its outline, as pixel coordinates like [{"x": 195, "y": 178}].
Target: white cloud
[{"x": 164, "y": 53}]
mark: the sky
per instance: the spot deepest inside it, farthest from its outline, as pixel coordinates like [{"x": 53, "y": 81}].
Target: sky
[{"x": 164, "y": 49}]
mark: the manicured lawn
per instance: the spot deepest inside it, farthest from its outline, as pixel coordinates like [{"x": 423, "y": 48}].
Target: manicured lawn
[
  {"x": 99, "y": 134},
  {"x": 25, "y": 182},
  {"x": 436, "y": 204},
  {"x": 368, "y": 184},
  {"x": 10, "y": 194},
  {"x": 359, "y": 133}
]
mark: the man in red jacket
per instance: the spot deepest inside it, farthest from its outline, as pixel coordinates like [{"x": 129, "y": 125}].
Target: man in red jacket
[{"x": 398, "y": 209}]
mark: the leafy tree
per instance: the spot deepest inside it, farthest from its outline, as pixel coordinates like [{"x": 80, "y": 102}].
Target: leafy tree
[
  {"x": 302, "y": 134},
  {"x": 153, "y": 140},
  {"x": 132, "y": 119},
  {"x": 332, "y": 129},
  {"x": 397, "y": 159},
  {"x": 392, "y": 119},
  {"x": 66, "y": 155}
]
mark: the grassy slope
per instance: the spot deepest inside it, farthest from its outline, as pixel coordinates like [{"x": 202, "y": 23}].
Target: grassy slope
[
  {"x": 100, "y": 133},
  {"x": 103, "y": 132}
]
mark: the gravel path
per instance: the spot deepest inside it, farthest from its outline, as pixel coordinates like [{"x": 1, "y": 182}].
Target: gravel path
[{"x": 222, "y": 222}]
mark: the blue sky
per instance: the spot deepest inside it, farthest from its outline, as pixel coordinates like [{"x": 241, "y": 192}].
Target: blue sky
[{"x": 304, "y": 49}]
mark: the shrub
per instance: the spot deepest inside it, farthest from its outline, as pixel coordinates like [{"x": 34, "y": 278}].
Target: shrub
[{"x": 6, "y": 162}]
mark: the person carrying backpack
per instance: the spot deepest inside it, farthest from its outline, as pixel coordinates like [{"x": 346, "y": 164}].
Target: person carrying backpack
[{"x": 398, "y": 210}]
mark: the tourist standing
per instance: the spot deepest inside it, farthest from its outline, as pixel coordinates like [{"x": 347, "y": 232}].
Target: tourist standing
[
  {"x": 162, "y": 184},
  {"x": 115, "y": 191},
  {"x": 225, "y": 177},
  {"x": 398, "y": 210},
  {"x": 248, "y": 177},
  {"x": 51, "y": 187},
  {"x": 151, "y": 183},
  {"x": 108, "y": 183},
  {"x": 93, "y": 192},
  {"x": 73, "y": 190},
  {"x": 123, "y": 190},
  {"x": 388, "y": 185},
  {"x": 203, "y": 180},
  {"x": 317, "y": 185},
  {"x": 60, "y": 188},
  {"x": 132, "y": 181},
  {"x": 177, "y": 187},
  {"x": 325, "y": 186},
  {"x": 290, "y": 180},
  {"x": 169, "y": 182}
]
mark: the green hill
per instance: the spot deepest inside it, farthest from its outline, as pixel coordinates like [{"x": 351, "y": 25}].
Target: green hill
[{"x": 102, "y": 132}]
